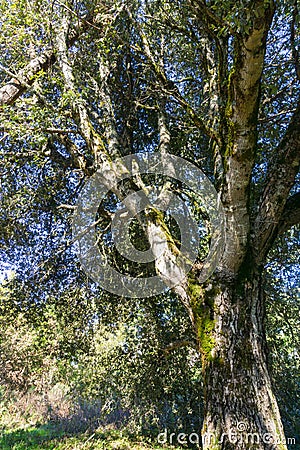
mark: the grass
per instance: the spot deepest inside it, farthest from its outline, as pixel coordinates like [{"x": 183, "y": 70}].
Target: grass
[{"x": 46, "y": 437}]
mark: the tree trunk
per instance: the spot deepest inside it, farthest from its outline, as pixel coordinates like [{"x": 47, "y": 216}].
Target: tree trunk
[{"x": 240, "y": 408}]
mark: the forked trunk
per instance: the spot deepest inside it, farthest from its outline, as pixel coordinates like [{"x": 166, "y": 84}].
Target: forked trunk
[{"x": 240, "y": 408}]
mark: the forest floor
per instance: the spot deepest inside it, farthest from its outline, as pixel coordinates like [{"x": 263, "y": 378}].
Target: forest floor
[{"x": 46, "y": 437}]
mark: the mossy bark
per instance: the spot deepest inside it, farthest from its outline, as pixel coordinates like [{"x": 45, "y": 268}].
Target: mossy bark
[{"x": 240, "y": 408}]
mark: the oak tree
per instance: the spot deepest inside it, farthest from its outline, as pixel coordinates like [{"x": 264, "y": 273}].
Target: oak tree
[{"x": 212, "y": 81}]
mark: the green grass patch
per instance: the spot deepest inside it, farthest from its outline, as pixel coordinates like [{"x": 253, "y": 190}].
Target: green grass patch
[{"x": 48, "y": 437}]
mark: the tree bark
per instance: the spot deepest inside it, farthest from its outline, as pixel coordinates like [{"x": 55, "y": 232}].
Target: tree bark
[{"x": 240, "y": 408}]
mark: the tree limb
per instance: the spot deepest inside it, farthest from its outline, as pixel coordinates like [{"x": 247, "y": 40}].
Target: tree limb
[
  {"x": 78, "y": 106},
  {"x": 203, "y": 10},
  {"x": 295, "y": 50},
  {"x": 291, "y": 214},
  {"x": 62, "y": 131},
  {"x": 170, "y": 89},
  {"x": 242, "y": 117},
  {"x": 25, "y": 78},
  {"x": 78, "y": 160},
  {"x": 279, "y": 182}
]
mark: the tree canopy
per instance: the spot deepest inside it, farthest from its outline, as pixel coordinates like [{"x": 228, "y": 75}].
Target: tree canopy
[{"x": 215, "y": 83}]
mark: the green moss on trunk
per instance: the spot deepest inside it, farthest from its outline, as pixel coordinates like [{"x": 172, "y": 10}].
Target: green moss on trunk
[{"x": 202, "y": 298}]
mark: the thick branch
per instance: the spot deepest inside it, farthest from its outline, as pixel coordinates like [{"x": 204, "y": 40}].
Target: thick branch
[
  {"x": 242, "y": 119},
  {"x": 291, "y": 214},
  {"x": 295, "y": 50},
  {"x": 105, "y": 98},
  {"x": 79, "y": 108},
  {"x": 161, "y": 242},
  {"x": 16, "y": 86},
  {"x": 280, "y": 179},
  {"x": 26, "y": 77},
  {"x": 60, "y": 131},
  {"x": 78, "y": 160},
  {"x": 165, "y": 195}
]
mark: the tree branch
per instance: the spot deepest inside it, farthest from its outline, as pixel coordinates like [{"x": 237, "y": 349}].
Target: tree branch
[
  {"x": 25, "y": 78},
  {"x": 279, "y": 182},
  {"x": 78, "y": 106},
  {"x": 79, "y": 161},
  {"x": 242, "y": 120},
  {"x": 62, "y": 131},
  {"x": 202, "y": 10},
  {"x": 19, "y": 84},
  {"x": 170, "y": 89},
  {"x": 295, "y": 50},
  {"x": 105, "y": 98},
  {"x": 291, "y": 214}
]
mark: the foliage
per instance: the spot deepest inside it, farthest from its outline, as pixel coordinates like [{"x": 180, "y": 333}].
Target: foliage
[
  {"x": 283, "y": 322},
  {"x": 124, "y": 73},
  {"x": 124, "y": 374}
]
